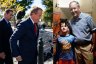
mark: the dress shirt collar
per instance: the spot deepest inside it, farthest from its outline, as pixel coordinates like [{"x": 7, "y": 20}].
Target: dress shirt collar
[
  {"x": 6, "y": 20},
  {"x": 32, "y": 20}
]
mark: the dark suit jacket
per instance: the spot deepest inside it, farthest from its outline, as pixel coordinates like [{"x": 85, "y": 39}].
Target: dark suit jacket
[
  {"x": 5, "y": 33},
  {"x": 27, "y": 46}
]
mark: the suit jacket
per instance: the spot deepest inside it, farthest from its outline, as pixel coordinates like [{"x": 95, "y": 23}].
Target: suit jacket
[
  {"x": 24, "y": 41},
  {"x": 5, "y": 33}
]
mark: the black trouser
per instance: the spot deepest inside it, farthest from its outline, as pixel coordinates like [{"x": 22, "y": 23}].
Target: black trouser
[
  {"x": 29, "y": 60},
  {"x": 7, "y": 60}
]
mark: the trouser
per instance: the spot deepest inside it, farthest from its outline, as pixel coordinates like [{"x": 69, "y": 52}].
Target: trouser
[
  {"x": 61, "y": 61},
  {"x": 94, "y": 55},
  {"x": 29, "y": 60},
  {"x": 7, "y": 60},
  {"x": 84, "y": 54}
]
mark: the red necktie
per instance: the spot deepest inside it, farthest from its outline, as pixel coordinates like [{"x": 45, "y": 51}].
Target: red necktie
[{"x": 35, "y": 28}]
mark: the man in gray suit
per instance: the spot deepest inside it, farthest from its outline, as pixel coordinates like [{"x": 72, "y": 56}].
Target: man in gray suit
[{"x": 25, "y": 51}]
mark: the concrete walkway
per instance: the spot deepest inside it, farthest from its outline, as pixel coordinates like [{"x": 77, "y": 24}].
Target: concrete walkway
[{"x": 49, "y": 61}]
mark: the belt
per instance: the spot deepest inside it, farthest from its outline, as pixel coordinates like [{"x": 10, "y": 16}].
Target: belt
[{"x": 85, "y": 43}]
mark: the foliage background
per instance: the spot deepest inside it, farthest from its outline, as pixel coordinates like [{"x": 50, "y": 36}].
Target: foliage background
[
  {"x": 48, "y": 14},
  {"x": 23, "y": 5}
]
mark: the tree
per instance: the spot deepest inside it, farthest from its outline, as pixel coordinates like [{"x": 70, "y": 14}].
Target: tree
[
  {"x": 48, "y": 16},
  {"x": 16, "y": 5}
]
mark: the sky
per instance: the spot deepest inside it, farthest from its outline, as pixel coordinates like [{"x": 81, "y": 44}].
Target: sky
[{"x": 37, "y": 3}]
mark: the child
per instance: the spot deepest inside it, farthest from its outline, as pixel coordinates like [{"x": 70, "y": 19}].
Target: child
[{"x": 66, "y": 39}]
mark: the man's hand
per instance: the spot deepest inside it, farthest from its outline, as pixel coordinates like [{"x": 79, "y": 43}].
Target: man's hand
[
  {"x": 19, "y": 58},
  {"x": 2, "y": 55}
]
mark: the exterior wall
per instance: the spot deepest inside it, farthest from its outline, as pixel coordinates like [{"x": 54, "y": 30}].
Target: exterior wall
[
  {"x": 88, "y": 6},
  {"x": 94, "y": 10}
]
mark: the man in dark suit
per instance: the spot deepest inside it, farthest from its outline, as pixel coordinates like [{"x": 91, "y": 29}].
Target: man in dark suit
[
  {"x": 24, "y": 39},
  {"x": 5, "y": 33}
]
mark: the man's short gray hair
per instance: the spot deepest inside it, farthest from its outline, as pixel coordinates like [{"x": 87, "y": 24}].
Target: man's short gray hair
[{"x": 74, "y": 2}]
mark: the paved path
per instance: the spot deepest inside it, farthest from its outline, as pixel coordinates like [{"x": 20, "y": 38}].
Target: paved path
[{"x": 49, "y": 61}]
